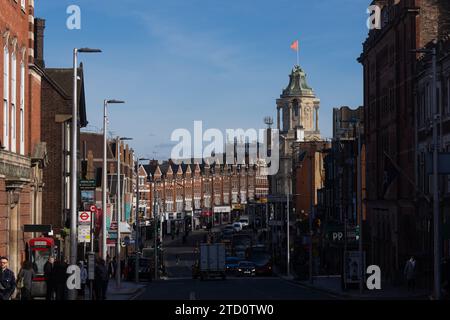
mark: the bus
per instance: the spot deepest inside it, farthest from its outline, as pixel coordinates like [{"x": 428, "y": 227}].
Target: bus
[{"x": 40, "y": 249}]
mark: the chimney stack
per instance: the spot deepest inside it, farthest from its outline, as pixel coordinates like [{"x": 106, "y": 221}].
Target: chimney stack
[{"x": 39, "y": 26}]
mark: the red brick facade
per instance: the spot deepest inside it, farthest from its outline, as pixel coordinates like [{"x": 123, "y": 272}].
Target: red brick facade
[
  {"x": 22, "y": 155},
  {"x": 396, "y": 227}
]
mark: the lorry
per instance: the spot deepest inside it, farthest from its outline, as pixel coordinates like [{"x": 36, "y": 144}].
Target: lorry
[{"x": 212, "y": 261}]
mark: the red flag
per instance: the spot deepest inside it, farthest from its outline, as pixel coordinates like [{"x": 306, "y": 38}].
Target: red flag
[{"x": 294, "y": 45}]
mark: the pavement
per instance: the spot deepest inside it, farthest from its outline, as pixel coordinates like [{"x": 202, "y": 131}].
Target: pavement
[
  {"x": 331, "y": 285},
  {"x": 127, "y": 291}
]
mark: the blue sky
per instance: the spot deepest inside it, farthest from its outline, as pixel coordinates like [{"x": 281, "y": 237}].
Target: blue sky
[{"x": 224, "y": 62}]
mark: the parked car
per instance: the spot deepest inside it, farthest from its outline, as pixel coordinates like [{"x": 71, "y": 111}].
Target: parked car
[
  {"x": 146, "y": 268},
  {"x": 237, "y": 226},
  {"x": 246, "y": 268},
  {"x": 231, "y": 264}
]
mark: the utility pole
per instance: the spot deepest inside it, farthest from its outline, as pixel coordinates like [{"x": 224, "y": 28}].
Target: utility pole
[
  {"x": 137, "y": 229},
  {"x": 104, "y": 175},
  {"x": 119, "y": 212},
  {"x": 155, "y": 222},
  {"x": 436, "y": 215},
  {"x": 359, "y": 200},
  {"x": 119, "y": 218},
  {"x": 72, "y": 294},
  {"x": 311, "y": 217},
  {"x": 288, "y": 253}
]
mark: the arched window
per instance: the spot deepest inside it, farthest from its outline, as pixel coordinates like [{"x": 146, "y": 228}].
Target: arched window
[
  {"x": 296, "y": 107},
  {"x": 22, "y": 108},
  {"x": 6, "y": 97},
  {"x": 13, "y": 101}
]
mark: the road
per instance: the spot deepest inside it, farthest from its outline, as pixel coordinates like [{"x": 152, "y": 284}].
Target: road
[
  {"x": 272, "y": 288},
  {"x": 179, "y": 285}
]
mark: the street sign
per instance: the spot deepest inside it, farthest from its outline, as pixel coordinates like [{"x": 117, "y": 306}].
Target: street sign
[
  {"x": 41, "y": 228},
  {"x": 93, "y": 208},
  {"x": 222, "y": 209},
  {"x": 352, "y": 266},
  {"x": 88, "y": 184},
  {"x": 84, "y": 233},
  {"x": 84, "y": 217}
]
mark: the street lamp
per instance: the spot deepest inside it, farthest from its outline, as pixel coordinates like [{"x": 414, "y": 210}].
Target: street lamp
[
  {"x": 73, "y": 172},
  {"x": 137, "y": 231},
  {"x": 104, "y": 174},
  {"x": 119, "y": 211},
  {"x": 436, "y": 231}
]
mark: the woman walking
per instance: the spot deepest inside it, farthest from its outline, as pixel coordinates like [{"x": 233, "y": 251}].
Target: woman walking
[{"x": 25, "y": 280}]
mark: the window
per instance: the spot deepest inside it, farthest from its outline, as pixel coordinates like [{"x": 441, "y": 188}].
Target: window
[
  {"x": 13, "y": 100},
  {"x": 448, "y": 95},
  {"x": 22, "y": 109},
  {"x": 22, "y": 4},
  {"x": 6, "y": 97}
]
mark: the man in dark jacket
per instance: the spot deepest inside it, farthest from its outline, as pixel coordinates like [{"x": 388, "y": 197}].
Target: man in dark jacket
[
  {"x": 7, "y": 280},
  {"x": 61, "y": 279},
  {"x": 101, "y": 279},
  {"x": 49, "y": 274}
]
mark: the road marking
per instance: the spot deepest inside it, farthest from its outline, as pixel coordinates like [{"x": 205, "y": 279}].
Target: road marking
[{"x": 192, "y": 295}]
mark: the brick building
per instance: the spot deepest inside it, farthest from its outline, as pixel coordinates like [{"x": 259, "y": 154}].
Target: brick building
[
  {"x": 200, "y": 192},
  {"x": 337, "y": 206},
  {"x": 424, "y": 135},
  {"x": 396, "y": 227},
  {"x": 22, "y": 155},
  {"x": 91, "y": 145}
]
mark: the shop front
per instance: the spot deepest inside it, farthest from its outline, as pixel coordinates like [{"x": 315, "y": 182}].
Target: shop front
[{"x": 221, "y": 215}]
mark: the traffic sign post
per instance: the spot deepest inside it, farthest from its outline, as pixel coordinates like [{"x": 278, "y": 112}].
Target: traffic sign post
[{"x": 84, "y": 217}]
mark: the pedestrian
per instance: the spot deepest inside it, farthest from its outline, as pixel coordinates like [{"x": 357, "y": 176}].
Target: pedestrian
[
  {"x": 25, "y": 280},
  {"x": 110, "y": 265},
  {"x": 101, "y": 279},
  {"x": 49, "y": 275},
  {"x": 114, "y": 267},
  {"x": 83, "y": 278},
  {"x": 7, "y": 280},
  {"x": 410, "y": 273},
  {"x": 177, "y": 258},
  {"x": 178, "y": 232},
  {"x": 60, "y": 279}
]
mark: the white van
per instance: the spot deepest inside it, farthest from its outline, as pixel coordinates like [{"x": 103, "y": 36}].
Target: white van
[
  {"x": 237, "y": 226},
  {"x": 245, "y": 221}
]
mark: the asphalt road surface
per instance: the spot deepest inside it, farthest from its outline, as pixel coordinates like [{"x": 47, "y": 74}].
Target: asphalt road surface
[
  {"x": 179, "y": 285},
  {"x": 272, "y": 288}
]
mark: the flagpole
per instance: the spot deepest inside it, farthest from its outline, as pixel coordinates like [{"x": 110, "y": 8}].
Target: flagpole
[
  {"x": 298, "y": 63},
  {"x": 407, "y": 177}
]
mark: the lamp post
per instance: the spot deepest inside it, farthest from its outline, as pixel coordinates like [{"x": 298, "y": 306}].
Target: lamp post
[
  {"x": 104, "y": 174},
  {"x": 119, "y": 212},
  {"x": 74, "y": 172},
  {"x": 138, "y": 227},
  {"x": 155, "y": 222}
]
